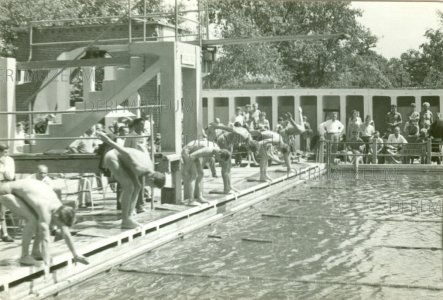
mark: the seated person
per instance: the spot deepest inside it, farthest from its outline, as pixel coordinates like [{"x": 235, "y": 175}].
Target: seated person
[
  {"x": 354, "y": 145},
  {"x": 379, "y": 149},
  {"x": 394, "y": 146},
  {"x": 412, "y": 131},
  {"x": 41, "y": 175},
  {"x": 37, "y": 203},
  {"x": 262, "y": 123}
]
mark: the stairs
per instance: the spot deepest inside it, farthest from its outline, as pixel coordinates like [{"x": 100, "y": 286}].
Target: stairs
[{"x": 126, "y": 83}]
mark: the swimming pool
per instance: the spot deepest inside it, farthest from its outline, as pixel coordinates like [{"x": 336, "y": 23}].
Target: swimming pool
[{"x": 344, "y": 248}]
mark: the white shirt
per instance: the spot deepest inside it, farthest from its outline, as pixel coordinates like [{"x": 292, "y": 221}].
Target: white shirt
[
  {"x": 7, "y": 168},
  {"x": 367, "y": 130},
  {"x": 46, "y": 180},
  {"x": 134, "y": 142},
  {"x": 395, "y": 140},
  {"x": 331, "y": 127},
  {"x": 239, "y": 119},
  {"x": 148, "y": 127}
]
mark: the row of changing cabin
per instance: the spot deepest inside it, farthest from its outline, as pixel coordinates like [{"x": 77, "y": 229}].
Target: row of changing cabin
[{"x": 318, "y": 103}]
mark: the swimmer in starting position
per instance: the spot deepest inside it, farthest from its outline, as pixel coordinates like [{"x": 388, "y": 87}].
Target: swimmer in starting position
[
  {"x": 192, "y": 170},
  {"x": 129, "y": 166},
  {"x": 38, "y": 204}
]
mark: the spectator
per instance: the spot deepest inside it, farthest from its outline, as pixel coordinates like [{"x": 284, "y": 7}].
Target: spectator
[
  {"x": 41, "y": 175},
  {"x": 355, "y": 146},
  {"x": 41, "y": 125},
  {"x": 426, "y": 118},
  {"x": 412, "y": 131},
  {"x": 7, "y": 173},
  {"x": 122, "y": 132},
  {"x": 379, "y": 148},
  {"x": 147, "y": 128},
  {"x": 279, "y": 125},
  {"x": 86, "y": 145},
  {"x": 332, "y": 130},
  {"x": 246, "y": 114},
  {"x": 367, "y": 130},
  {"x": 136, "y": 140},
  {"x": 262, "y": 123},
  {"x": 306, "y": 138},
  {"x": 158, "y": 142},
  {"x": 254, "y": 115},
  {"x": 412, "y": 115},
  {"x": 393, "y": 118},
  {"x": 354, "y": 124},
  {"x": 394, "y": 147},
  {"x": 20, "y": 134},
  {"x": 239, "y": 116}
]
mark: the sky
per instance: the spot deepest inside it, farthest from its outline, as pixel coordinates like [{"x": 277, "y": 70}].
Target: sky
[{"x": 398, "y": 25}]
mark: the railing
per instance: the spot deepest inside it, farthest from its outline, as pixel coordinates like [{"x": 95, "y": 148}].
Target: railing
[{"x": 423, "y": 150}]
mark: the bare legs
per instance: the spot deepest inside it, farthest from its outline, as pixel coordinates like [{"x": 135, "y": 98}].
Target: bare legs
[
  {"x": 264, "y": 163},
  {"x": 18, "y": 207},
  {"x": 131, "y": 187}
]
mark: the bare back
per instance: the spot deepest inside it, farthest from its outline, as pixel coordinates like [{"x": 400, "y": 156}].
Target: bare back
[
  {"x": 37, "y": 195},
  {"x": 137, "y": 161}
]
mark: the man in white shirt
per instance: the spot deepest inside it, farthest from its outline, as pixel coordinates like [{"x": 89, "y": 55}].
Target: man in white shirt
[
  {"x": 147, "y": 126},
  {"x": 238, "y": 116},
  {"x": 332, "y": 130},
  {"x": 41, "y": 175},
  {"x": 394, "y": 145}
]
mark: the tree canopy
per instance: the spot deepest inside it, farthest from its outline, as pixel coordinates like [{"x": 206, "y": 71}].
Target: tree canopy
[{"x": 321, "y": 63}]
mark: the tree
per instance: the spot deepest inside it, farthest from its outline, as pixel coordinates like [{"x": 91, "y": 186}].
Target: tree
[
  {"x": 311, "y": 63},
  {"x": 19, "y": 13}
]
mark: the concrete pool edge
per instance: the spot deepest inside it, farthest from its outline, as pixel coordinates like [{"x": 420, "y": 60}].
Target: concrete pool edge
[{"x": 152, "y": 235}]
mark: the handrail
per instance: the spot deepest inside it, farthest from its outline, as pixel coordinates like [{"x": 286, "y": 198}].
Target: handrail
[{"x": 86, "y": 110}]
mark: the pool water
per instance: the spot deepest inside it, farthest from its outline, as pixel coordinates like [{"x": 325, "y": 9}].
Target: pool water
[{"x": 301, "y": 248}]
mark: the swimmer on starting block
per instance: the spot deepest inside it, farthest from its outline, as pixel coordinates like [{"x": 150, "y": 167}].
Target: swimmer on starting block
[
  {"x": 38, "y": 204},
  {"x": 231, "y": 136},
  {"x": 269, "y": 139},
  {"x": 128, "y": 166},
  {"x": 192, "y": 170}
]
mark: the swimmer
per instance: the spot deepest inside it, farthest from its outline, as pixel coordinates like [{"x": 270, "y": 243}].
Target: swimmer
[
  {"x": 293, "y": 128},
  {"x": 192, "y": 170},
  {"x": 129, "y": 166},
  {"x": 38, "y": 204},
  {"x": 231, "y": 136},
  {"x": 267, "y": 140}
]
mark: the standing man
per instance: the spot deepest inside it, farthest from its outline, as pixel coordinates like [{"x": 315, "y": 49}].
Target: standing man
[
  {"x": 238, "y": 116},
  {"x": 135, "y": 141},
  {"x": 332, "y": 130},
  {"x": 393, "y": 118},
  {"x": 247, "y": 113},
  {"x": 254, "y": 115}
]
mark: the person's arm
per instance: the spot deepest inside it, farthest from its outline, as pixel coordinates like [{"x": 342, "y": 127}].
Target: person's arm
[
  {"x": 399, "y": 120},
  {"x": 73, "y": 146},
  {"x": 68, "y": 240},
  {"x": 223, "y": 127},
  {"x": 9, "y": 168},
  {"x": 387, "y": 119},
  {"x": 380, "y": 142}
]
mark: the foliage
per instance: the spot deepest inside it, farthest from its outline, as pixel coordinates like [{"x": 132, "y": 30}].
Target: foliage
[{"x": 316, "y": 63}]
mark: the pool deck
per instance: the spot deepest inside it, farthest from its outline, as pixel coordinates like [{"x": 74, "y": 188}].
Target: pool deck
[{"x": 99, "y": 237}]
